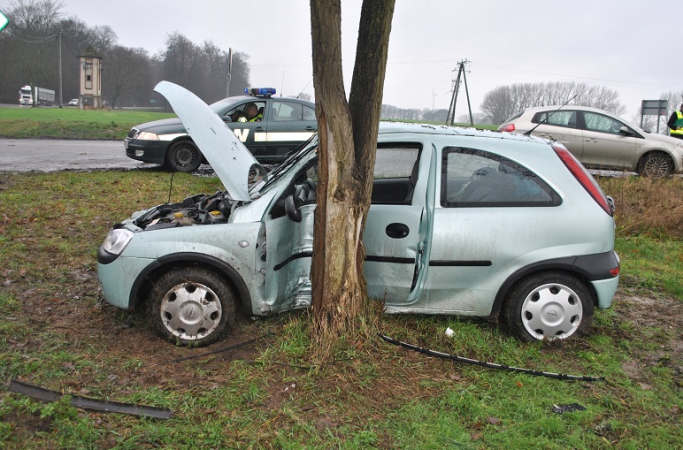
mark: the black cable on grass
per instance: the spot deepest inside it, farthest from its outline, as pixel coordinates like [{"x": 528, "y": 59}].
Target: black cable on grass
[
  {"x": 232, "y": 347},
  {"x": 489, "y": 365}
]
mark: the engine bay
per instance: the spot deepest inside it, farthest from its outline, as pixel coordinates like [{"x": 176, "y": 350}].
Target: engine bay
[{"x": 200, "y": 209}]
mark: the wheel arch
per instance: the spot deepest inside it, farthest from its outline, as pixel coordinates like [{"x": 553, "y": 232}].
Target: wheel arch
[
  {"x": 186, "y": 138},
  {"x": 583, "y": 267},
  {"x": 146, "y": 279},
  {"x": 647, "y": 154}
]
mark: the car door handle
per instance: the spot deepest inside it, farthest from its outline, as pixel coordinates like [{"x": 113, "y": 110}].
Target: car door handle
[
  {"x": 310, "y": 128},
  {"x": 397, "y": 230},
  {"x": 260, "y": 129}
]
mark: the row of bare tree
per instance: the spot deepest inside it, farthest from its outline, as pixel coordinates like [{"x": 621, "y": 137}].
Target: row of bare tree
[
  {"x": 30, "y": 55},
  {"x": 504, "y": 101}
]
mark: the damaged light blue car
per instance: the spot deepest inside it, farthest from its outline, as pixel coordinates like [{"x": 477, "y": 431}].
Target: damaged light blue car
[{"x": 462, "y": 222}]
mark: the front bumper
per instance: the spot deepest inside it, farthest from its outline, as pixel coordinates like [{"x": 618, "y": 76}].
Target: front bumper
[{"x": 146, "y": 151}]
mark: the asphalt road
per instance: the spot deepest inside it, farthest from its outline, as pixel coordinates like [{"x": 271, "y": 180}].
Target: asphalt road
[{"x": 51, "y": 155}]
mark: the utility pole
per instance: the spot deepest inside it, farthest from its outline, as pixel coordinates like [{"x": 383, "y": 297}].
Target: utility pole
[
  {"x": 229, "y": 70},
  {"x": 60, "y": 69},
  {"x": 450, "y": 117}
]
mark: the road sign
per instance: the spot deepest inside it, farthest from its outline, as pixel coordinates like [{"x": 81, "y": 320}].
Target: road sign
[
  {"x": 3, "y": 21},
  {"x": 654, "y": 107}
]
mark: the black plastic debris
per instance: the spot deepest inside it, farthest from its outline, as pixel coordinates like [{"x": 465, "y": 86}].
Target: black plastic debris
[
  {"x": 89, "y": 404},
  {"x": 489, "y": 365},
  {"x": 561, "y": 409}
]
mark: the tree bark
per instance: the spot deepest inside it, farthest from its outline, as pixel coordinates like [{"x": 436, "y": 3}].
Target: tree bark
[{"x": 348, "y": 140}]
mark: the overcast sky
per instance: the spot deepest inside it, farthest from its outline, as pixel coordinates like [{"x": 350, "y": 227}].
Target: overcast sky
[{"x": 631, "y": 46}]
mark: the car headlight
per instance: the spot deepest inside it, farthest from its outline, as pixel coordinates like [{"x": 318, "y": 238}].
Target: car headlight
[
  {"x": 147, "y": 136},
  {"x": 113, "y": 245}
]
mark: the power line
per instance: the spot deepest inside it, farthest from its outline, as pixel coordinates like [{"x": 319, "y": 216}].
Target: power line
[{"x": 450, "y": 117}]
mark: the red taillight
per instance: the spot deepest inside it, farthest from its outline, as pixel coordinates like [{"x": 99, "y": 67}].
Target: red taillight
[
  {"x": 586, "y": 180},
  {"x": 614, "y": 272},
  {"x": 510, "y": 127}
]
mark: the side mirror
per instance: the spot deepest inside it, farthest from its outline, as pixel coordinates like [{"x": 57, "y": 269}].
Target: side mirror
[
  {"x": 226, "y": 119},
  {"x": 625, "y": 131}
]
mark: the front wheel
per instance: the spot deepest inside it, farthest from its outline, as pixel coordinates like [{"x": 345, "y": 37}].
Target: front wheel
[
  {"x": 656, "y": 165},
  {"x": 183, "y": 156},
  {"x": 549, "y": 306},
  {"x": 191, "y": 306}
]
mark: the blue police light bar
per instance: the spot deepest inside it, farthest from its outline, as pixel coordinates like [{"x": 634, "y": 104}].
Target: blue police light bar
[{"x": 265, "y": 92}]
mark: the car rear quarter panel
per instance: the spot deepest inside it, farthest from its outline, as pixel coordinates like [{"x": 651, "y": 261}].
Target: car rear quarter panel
[{"x": 486, "y": 246}]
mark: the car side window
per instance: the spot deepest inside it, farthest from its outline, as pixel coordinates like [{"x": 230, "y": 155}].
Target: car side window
[
  {"x": 309, "y": 113},
  {"x": 473, "y": 178},
  {"x": 286, "y": 111},
  {"x": 557, "y": 118},
  {"x": 240, "y": 110},
  {"x": 602, "y": 124},
  {"x": 395, "y": 175}
]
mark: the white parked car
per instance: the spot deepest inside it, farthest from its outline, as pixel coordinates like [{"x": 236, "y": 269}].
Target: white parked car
[
  {"x": 462, "y": 222},
  {"x": 601, "y": 140}
]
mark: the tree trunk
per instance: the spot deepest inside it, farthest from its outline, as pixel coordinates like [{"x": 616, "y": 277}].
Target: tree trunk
[{"x": 348, "y": 140}]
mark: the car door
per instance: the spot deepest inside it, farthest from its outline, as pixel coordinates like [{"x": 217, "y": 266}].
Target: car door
[
  {"x": 604, "y": 143},
  {"x": 560, "y": 126},
  {"x": 396, "y": 238},
  {"x": 397, "y": 233},
  {"x": 251, "y": 134},
  {"x": 289, "y": 124}
]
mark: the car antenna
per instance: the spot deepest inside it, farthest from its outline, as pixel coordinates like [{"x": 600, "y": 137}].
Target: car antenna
[
  {"x": 302, "y": 91},
  {"x": 548, "y": 116}
]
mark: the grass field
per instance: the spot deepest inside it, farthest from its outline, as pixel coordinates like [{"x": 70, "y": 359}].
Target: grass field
[
  {"x": 57, "y": 333},
  {"x": 71, "y": 123}
]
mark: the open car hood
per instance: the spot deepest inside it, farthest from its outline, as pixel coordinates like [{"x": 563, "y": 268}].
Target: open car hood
[{"x": 229, "y": 158}]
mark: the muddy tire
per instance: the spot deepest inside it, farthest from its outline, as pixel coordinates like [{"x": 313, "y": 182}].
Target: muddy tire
[
  {"x": 183, "y": 156},
  {"x": 192, "y": 306},
  {"x": 656, "y": 165},
  {"x": 549, "y": 306}
]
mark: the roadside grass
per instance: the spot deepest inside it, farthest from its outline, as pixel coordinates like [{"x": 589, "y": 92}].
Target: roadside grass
[
  {"x": 56, "y": 333},
  {"x": 649, "y": 217},
  {"x": 71, "y": 123}
]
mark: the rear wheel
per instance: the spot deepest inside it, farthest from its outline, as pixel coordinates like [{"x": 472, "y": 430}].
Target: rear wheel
[
  {"x": 549, "y": 306},
  {"x": 656, "y": 165},
  {"x": 191, "y": 306},
  {"x": 183, "y": 156}
]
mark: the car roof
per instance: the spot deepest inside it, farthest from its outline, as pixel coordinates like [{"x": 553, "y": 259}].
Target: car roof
[
  {"x": 386, "y": 129},
  {"x": 254, "y": 98},
  {"x": 567, "y": 107}
]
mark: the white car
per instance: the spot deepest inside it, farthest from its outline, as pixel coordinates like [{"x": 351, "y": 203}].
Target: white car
[
  {"x": 462, "y": 222},
  {"x": 73, "y": 102},
  {"x": 601, "y": 140}
]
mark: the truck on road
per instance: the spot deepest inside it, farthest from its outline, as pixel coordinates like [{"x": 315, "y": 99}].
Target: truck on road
[{"x": 42, "y": 96}]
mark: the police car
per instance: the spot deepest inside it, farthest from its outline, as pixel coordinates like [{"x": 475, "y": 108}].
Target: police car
[{"x": 279, "y": 125}]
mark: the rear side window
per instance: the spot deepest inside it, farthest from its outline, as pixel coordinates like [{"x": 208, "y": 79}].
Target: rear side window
[
  {"x": 557, "y": 118},
  {"x": 474, "y": 178}
]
